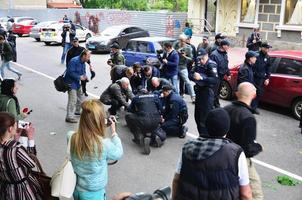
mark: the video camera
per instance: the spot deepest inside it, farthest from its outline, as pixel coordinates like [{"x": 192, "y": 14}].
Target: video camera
[
  {"x": 161, "y": 194},
  {"x": 159, "y": 55}
]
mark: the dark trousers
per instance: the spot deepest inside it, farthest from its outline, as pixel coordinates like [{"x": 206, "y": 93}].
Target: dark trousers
[
  {"x": 141, "y": 124},
  {"x": 217, "y": 91},
  {"x": 203, "y": 105},
  {"x": 172, "y": 127},
  {"x": 115, "y": 105},
  {"x": 259, "y": 84}
]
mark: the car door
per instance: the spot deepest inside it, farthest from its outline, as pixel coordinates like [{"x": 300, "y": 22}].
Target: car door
[
  {"x": 80, "y": 34},
  {"x": 285, "y": 82},
  {"x": 124, "y": 37},
  {"x": 130, "y": 52}
]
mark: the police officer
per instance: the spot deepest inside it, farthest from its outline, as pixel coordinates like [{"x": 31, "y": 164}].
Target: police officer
[
  {"x": 144, "y": 118},
  {"x": 218, "y": 38},
  {"x": 254, "y": 41},
  {"x": 205, "y": 77},
  {"x": 220, "y": 56},
  {"x": 116, "y": 57},
  {"x": 262, "y": 72},
  {"x": 246, "y": 73},
  {"x": 175, "y": 113}
]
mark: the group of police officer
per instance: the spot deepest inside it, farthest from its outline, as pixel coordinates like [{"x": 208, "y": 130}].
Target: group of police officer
[{"x": 155, "y": 112}]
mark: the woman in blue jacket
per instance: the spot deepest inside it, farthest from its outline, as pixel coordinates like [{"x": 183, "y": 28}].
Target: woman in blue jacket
[{"x": 90, "y": 150}]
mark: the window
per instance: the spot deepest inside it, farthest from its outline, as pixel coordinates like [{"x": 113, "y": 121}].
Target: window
[
  {"x": 293, "y": 12},
  {"x": 131, "y": 46},
  {"x": 144, "y": 47},
  {"x": 135, "y": 29},
  {"x": 248, "y": 11},
  {"x": 289, "y": 67}
]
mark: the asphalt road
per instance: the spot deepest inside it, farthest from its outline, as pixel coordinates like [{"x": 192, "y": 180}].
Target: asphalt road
[{"x": 278, "y": 132}]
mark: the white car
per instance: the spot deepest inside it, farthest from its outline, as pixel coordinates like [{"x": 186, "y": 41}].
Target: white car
[
  {"x": 36, "y": 30},
  {"x": 52, "y": 34}
]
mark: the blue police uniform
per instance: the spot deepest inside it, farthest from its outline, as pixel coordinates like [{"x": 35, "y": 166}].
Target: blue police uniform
[
  {"x": 221, "y": 58},
  {"x": 245, "y": 74},
  {"x": 262, "y": 71},
  {"x": 204, "y": 92},
  {"x": 144, "y": 116},
  {"x": 174, "y": 106}
]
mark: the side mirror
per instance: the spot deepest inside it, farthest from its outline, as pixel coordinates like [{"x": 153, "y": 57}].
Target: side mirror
[{"x": 123, "y": 33}]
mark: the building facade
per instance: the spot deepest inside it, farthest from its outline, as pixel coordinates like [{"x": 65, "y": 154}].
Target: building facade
[
  {"x": 279, "y": 21},
  {"x": 21, "y": 4}
]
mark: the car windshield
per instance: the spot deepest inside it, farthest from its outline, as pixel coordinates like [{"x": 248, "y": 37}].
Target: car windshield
[
  {"x": 111, "y": 31},
  {"x": 45, "y": 23}
]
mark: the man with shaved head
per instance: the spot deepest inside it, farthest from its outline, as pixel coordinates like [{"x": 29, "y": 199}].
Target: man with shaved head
[{"x": 243, "y": 131}]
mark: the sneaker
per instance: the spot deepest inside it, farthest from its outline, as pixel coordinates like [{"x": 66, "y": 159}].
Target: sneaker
[
  {"x": 19, "y": 77},
  {"x": 158, "y": 142},
  {"x": 147, "y": 149},
  {"x": 184, "y": 131},
  {"x": 193, "y": 99},
  {"x": 71, "y": 120}
]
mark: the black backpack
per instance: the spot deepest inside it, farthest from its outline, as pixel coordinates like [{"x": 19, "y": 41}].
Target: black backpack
[{"x": 60, "y": 84}]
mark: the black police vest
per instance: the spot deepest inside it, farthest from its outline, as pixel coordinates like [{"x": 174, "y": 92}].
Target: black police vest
[
  {"x": 215, "y": 178},
  {"x": 146, "y": 106}
]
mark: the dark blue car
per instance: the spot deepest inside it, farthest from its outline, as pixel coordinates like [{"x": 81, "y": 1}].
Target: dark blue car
[{"x": 140, "y": 49}]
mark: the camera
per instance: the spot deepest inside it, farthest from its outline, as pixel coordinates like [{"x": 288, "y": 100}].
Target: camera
[
  {"x": 161, "y": 194},
  {"x": 109, "y": 119},
  {"x": 23, "y": 124}
]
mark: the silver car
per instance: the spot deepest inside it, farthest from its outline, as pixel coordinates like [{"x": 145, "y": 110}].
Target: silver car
[{"x": 36, "y": 30}]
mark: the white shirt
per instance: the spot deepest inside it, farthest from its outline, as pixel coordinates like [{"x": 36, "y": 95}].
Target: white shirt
[
  {"x": 67, "y": 39},
  {"x": 242, "y": 169}
]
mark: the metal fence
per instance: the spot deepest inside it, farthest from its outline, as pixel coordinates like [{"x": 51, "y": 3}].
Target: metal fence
[{"x": 161, "y": 23}]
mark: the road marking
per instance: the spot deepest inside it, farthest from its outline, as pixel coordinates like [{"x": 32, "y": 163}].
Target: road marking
[{"x": 261, "y": 163}]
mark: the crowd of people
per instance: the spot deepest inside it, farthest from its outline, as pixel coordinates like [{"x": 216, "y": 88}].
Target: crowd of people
[{"x": 216, "y": 165}]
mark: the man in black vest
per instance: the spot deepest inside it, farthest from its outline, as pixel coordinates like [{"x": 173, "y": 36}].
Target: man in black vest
[
  {"x": 212, "y": 167},
  {"x": 243, "y": 131},
  {"x": 143, "y": 118}
]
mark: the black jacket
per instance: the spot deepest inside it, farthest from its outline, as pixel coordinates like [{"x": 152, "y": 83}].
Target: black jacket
[
  {"x": 245, "y": 74},
  {"x": 221, "y": 58},
  {"x": 253, "y": 46},
  {"x": 73, "y": 52},
  {"x": 71, "y": 35},
  {"x": 243, "y": 128}
]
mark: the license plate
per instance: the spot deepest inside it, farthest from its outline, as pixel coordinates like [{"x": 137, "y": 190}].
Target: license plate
[
  {"x": 48, "y": 34},
  {"x": 91, "y": 47}
]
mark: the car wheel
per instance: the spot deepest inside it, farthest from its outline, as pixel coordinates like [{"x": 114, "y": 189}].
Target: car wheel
[
  {"x": 47, "y": 43},
  {"x": 297, "y": 108},
  {"x": 87, "y": 36},
  {"x": 225, "y": 91},
  {"x": 20, "y": 35},
  {"x": 37, "y": 39}
]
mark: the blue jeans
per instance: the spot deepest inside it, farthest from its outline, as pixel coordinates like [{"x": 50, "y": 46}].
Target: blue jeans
[
  {"x": 8, "y": 66},
  {"x": 66, "y": 47},
  {"x": 184, "y": 75},
  {"x": 89, "y": 195},
  {"x": 175, "y": 82}
]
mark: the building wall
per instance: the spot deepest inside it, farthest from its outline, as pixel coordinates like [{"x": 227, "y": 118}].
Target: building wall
[
  {"x": 22, "y": 4},
  {"x": 196, "y": 11}
]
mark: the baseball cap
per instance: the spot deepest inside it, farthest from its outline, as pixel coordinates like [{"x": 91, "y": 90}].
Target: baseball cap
[
  {"x": 75, "y": 39},
  {"x": 115, "y": 46},
  {"x": 201, "y": 52},
  {"x": 219, "y": 36},
  {"x": 225, "y": 42},
  {"x": 205, "y": 37},
  {"x": 265, "y": 45},
  {"x": 251, "y": 54}
]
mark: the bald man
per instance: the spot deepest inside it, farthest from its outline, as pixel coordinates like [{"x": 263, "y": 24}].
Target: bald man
[{"x": 243, "y": 131}]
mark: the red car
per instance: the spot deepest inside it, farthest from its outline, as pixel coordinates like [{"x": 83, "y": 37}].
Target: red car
[
  {"x": 285, "y": 87},
  {"x": 23, "y": 27}
]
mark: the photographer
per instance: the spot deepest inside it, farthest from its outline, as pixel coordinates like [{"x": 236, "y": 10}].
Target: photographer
[
  {"x": 8, "y": 100},
  {"x": 69, "y": 32},
  {"x": 89, "y": 158},
  {"x": 16, "y": 179}
]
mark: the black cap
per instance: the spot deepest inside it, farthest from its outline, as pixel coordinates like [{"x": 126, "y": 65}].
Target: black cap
[
  {"x": 218, "y": 122},
  {"x": 219, "y": 36},
  {"x": 75, "y": 39},
  {"x": 115, "y": 46},
  {"x": 265, "y": 45},
  {"x": 201, "y": 52},
  {"x": 251, "y": 54},
  {"x": 225, "y": 42},
  {"x": 167, "y": 88},
  {"x": 205, "y": 37}
]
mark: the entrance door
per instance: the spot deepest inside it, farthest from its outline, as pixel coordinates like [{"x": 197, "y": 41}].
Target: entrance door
[{"x": 210, "y": 14}]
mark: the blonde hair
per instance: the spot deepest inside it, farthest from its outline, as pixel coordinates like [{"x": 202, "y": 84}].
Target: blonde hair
[{"x": 87, "y": 141}]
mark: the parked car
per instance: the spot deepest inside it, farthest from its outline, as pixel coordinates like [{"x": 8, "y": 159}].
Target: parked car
[
  {"x": 37, "y": 29},
  {"x": 285, "y": 87},
  {"x": 114, "y": 34},
  {"x": 52, "y": 34},
  {"x": 140, "y": 49},
  {"x": 23, "y": 27}
]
